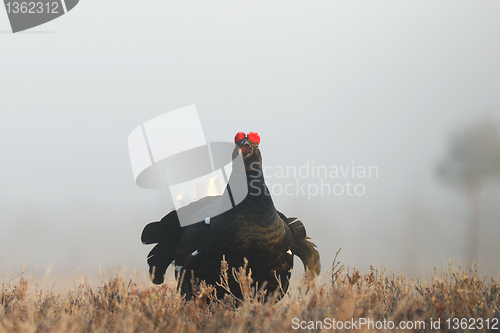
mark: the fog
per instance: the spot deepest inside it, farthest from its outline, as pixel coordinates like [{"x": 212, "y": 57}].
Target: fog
[{"x": 341, "y": 84}]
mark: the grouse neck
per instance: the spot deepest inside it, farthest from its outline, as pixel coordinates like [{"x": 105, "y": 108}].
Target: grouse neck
[{"x": 256, "y": 184}]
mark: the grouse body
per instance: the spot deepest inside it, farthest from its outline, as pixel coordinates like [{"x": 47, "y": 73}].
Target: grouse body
[{"x": 252, "y": 230}]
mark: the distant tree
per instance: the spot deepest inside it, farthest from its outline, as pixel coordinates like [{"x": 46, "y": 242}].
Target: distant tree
[{"x": 472, "y": 159}]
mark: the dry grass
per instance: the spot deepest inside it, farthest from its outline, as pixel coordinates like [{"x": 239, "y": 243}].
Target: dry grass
[{"x": 122, "y": 305}]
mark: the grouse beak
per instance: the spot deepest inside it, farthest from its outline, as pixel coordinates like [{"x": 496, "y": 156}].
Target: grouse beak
[{"x": 246, "y": 148}]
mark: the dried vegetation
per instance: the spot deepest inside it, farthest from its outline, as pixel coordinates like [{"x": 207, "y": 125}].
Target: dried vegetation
[{"x": 122, "y": 305}]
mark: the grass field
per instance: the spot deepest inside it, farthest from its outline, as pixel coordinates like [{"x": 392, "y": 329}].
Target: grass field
[{"x": 456, "y": 299}]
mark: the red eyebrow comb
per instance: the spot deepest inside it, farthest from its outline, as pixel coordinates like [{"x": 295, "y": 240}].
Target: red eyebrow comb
[
  {"x": 254, "y": 137},
  {"x": 239, "y": 136}
]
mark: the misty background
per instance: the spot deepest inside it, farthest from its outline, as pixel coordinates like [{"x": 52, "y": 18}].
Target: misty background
[{"x": 335, "y": 83}]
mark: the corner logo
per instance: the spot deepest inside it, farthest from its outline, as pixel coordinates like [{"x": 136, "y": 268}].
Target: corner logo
[
  {"x": 170, "y": 151},
  {"x": 26, "y": 14}
]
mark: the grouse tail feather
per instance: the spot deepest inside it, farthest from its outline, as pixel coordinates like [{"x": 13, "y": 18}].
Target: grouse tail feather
[
  {"x": 303, "y": 247},
  {"x": 167, "y": 234}
]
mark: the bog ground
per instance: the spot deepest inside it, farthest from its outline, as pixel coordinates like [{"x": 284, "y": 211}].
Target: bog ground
[{"x": 454, "y": 300}]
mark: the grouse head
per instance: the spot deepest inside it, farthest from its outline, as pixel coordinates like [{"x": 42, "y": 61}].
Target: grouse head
[{"x": 248, "y": 146}]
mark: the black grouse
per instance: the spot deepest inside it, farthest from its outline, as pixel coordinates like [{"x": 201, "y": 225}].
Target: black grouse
[{"x": 253, "y": 229}]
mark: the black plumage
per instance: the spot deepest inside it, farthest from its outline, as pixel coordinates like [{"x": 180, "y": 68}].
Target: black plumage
[{"x": 253, "y": 229}]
